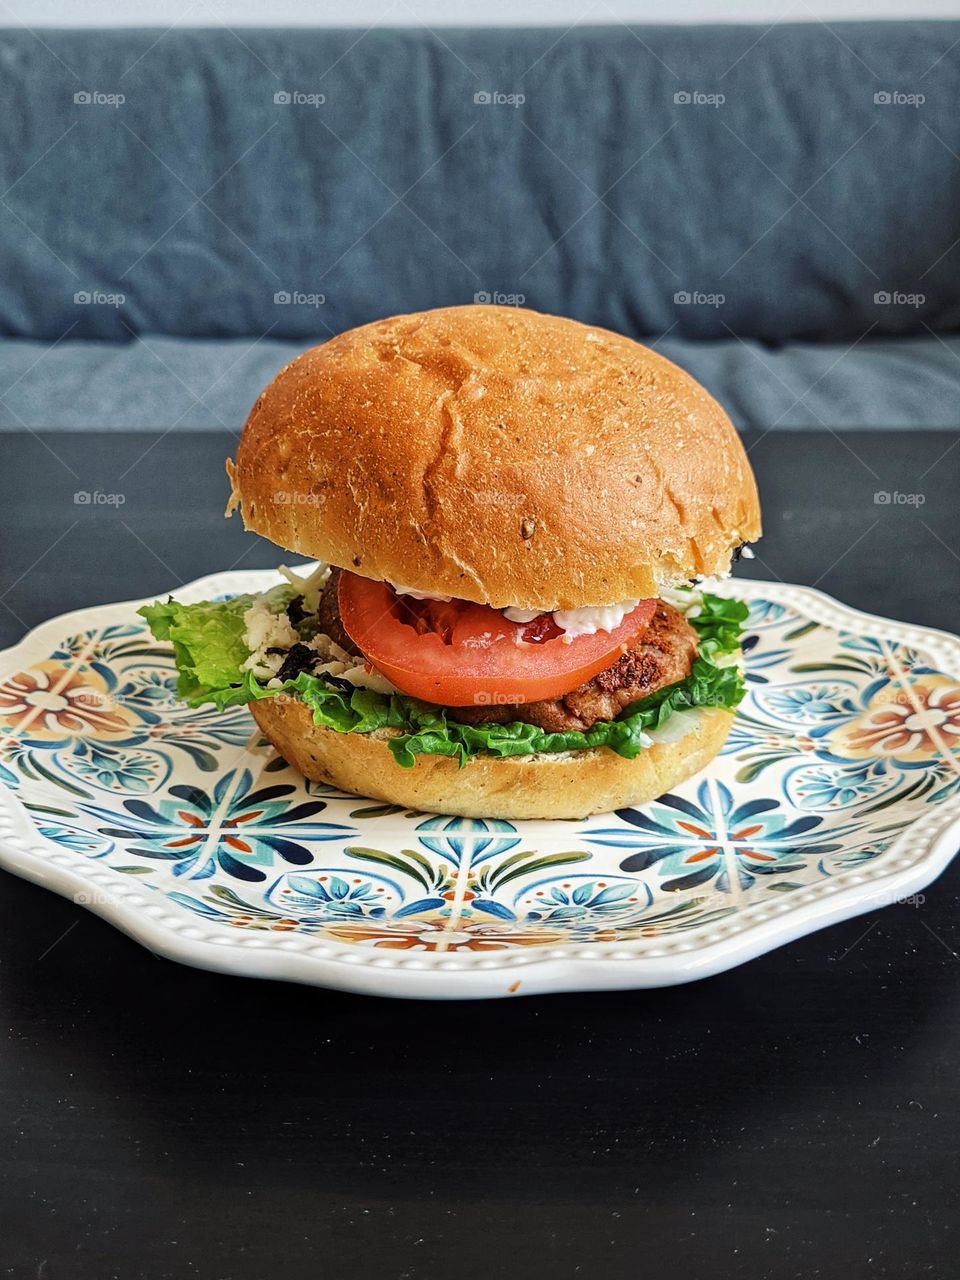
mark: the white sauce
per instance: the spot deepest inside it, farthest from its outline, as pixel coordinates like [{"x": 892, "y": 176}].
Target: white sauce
[
  {"x": 574, "y": 622},
  {"x": 521, "y": 615},
  {"x": 579, "y": 622},
  {"x": 414, "y": 594},
  {"x": 586, "y": 622}
]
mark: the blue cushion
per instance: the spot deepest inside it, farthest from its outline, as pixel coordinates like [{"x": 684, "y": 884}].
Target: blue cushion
[
  {"x": 161, "y": 382},
  {"x": 748, "y": 162}
]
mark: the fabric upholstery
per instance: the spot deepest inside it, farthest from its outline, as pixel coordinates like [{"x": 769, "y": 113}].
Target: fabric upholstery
[
  {"x": 156, "y": 382},
  {"x": 620, "y": 182}
]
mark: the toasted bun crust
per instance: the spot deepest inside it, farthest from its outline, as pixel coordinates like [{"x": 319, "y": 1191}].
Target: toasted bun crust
[
  {"x": 498, "y": 455},
  {"x": 569, "y": 785}
]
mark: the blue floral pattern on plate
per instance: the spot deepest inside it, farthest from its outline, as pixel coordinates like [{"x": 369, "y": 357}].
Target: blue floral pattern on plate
[{"x": 847, "y": 738}]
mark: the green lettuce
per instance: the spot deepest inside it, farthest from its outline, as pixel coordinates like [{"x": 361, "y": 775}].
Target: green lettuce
[
  {"x": 209, "y": 650},
  {"x": 208, "y": 644}
]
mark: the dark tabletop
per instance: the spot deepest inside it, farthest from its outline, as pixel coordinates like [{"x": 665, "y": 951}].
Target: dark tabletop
[{"x": 796, "y": 1117}]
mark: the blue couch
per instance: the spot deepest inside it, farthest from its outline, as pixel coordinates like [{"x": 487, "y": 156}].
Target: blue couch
[{"x": 777, "y": 209}]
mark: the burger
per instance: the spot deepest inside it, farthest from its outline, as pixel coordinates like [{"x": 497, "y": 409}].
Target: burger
[{"x": 515, "y": 521}]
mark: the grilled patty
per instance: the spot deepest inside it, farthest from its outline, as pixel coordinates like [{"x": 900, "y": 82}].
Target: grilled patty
[
  {"x": 663, "y": 654},
  {"x": 328, "y": 615}
]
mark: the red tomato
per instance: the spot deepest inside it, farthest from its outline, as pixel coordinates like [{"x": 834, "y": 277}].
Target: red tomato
[{"x": 463, "y": 655}]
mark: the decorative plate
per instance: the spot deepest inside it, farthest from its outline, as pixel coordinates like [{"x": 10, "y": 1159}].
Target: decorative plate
[{"x": 838, "y": 792}]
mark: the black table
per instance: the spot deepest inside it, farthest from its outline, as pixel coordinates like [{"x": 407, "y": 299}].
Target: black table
[{"x": 794, "y": 1118}]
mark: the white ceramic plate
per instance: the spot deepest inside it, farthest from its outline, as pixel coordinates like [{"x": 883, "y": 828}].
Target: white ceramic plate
[{"x": 838, "y": 792}]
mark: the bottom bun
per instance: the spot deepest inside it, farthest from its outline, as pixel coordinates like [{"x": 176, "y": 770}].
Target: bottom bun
[{"x": 564, "y": 785}]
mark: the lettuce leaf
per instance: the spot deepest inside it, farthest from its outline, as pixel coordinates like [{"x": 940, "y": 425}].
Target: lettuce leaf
[
  {"x": 209, "y": 650},
  {"x": 208, "y": 644}
]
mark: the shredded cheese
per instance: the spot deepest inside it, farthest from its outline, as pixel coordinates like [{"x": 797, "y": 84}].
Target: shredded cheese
[
  {"x": 266, "y": 630},
  {"x": 310, "y": 586}
]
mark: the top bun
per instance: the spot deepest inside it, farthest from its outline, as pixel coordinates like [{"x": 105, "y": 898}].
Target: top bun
[{"x": 497, "y": 455}]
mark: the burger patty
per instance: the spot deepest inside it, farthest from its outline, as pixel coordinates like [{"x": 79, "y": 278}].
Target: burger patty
[
  {"x": 328, "y": 615},
  {"x": 663, "y": 654}
]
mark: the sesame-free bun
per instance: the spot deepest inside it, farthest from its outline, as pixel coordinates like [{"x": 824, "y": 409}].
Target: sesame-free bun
[
  {"x": 568, "y": 785},
  {"x": 497, "y": 455}
]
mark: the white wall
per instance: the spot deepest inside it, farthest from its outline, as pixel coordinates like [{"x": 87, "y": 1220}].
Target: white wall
[{"x": 439, "y": 13}]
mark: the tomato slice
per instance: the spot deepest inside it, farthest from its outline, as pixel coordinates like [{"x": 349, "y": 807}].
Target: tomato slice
[{"x": 460, "y": 654}]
